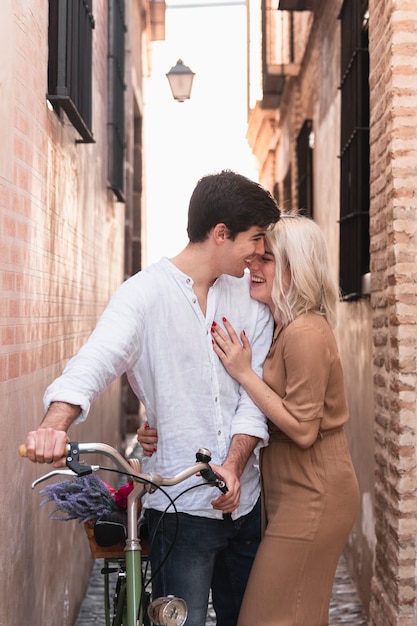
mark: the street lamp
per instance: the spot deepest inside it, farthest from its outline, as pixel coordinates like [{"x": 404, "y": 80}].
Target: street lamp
[{"x": 180, "y": 79}]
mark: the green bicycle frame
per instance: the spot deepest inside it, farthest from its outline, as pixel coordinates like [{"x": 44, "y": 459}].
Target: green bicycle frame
[
  {"x": 133, "y": 553},
  {"x": 134, "y": 587}
]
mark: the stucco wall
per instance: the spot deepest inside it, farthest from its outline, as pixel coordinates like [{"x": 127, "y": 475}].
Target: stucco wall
[{"x": 354, "y": 334}]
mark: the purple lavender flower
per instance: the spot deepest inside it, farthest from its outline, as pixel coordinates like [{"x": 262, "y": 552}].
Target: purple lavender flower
[{"x": 84, "y": 498}]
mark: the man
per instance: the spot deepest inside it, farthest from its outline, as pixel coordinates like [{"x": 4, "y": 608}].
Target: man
[{"x": 156, "y": 328}]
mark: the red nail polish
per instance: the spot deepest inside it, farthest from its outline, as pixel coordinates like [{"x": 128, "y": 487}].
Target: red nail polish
[
  {"x": 213, "y": 323},
  {"x": 243, "y": 331},
  {"x": 224, "y": 319},
  {"x": 212, "y": 329},
  {"x": 146, "y": 426},
  {"x": 154, "y": 449}
]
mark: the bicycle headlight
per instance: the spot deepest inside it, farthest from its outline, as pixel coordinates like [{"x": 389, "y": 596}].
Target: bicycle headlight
[{"x": 168, "y": 611}]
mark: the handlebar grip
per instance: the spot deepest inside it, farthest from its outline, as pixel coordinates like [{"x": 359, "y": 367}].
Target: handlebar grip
[
  {"x": 211, "y": 477},
  {"x": 23, "y": 450},
  {"x": 204, "y": 456}
]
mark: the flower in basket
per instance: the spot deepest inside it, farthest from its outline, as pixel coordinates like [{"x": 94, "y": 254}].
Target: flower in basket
[
  {"x": 122, "y": 493},
  {"x": 84, "y": 498}
]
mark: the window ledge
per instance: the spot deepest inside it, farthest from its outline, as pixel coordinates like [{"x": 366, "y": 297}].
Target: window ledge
[{"x": 74, "y": 116}]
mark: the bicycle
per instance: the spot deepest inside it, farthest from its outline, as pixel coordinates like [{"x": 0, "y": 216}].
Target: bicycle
[{"x": 132, "y": 604}]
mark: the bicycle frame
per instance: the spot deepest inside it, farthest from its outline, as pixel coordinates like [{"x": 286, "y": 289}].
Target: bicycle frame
[{"x": 133, "y": 553}]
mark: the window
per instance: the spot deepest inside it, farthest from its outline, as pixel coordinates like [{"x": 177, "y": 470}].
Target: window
[
  {"x": 71, "y": 23},
  {"x": 305, "y": 141},
  {"x": 354, "y": 157},
  {"x": 116, "y": 130}
]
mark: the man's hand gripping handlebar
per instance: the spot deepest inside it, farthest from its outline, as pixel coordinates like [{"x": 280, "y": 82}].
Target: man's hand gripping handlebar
[{"x": 204, "y": 456}]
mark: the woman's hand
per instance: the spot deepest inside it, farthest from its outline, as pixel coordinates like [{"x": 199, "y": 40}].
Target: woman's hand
[
  {"x": 235, "y": 355},
  {"x": 148, "y": 438}
]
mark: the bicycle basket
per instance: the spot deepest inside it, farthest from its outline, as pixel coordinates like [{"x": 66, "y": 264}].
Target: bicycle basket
[
  {"x": 115, "y": 551},
  {"x": 107, "y": 537}
]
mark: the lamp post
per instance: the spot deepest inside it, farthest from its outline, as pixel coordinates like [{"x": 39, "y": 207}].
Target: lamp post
[{"x": 180, "y": 78}]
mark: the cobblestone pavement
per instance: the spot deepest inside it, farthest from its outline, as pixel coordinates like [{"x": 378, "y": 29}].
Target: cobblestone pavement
[{"x": 345, "y": 607}]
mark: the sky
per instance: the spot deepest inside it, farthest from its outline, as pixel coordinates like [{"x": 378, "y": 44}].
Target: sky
[{"x": 185, "y": 141}]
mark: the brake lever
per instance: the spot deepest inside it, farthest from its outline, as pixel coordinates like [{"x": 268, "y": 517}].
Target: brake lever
[
  {"x": 57, "y": 472},
  {"x": 73, "y": 462},
  {"x": 61, "y": 472}
]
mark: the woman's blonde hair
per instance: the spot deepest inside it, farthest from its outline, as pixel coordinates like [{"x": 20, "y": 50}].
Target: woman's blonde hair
[{"x": 298, "y": 245}]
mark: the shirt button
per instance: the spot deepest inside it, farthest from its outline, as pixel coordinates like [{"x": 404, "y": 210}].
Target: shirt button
[
  {"x": 219, "y": 432},
  {"x": 188, "y": 280},
  {"x": 194, "y": 300}
]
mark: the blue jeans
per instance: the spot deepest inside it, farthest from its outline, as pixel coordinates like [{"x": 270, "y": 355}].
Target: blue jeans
[{"x": 206, "y": 553}]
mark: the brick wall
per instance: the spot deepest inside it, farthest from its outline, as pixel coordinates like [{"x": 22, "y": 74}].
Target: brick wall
[
  {"x": 393, "y": 81},
  {"x": 61, "y": 258},
  {"x": 377, "y": 338}
]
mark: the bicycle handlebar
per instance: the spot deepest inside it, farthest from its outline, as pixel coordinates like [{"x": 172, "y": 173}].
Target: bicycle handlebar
[{"x": 73, "y": 449}]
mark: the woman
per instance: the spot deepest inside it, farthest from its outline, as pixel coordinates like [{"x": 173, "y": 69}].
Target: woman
[{"x": 309, "y": 488}]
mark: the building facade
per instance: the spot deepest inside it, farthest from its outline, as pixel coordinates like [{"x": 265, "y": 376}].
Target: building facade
[
  {"x": 333, "y": 124},
  {"x": 71, "y": 196}
]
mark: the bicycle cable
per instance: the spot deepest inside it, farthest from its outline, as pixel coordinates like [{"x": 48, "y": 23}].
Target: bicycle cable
[
  {"x": 176, "y": 513},
  {"x": 146, "y": 481}
]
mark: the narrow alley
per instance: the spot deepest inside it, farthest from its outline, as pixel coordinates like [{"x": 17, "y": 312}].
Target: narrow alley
[{"x": 345, "y": 606}]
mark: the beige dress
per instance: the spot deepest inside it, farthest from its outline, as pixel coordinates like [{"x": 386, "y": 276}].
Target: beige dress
[{"x": 310, "y": 496}]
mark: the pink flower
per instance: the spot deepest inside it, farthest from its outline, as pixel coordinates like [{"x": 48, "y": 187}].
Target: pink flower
[{"x": 121, "y": 494}]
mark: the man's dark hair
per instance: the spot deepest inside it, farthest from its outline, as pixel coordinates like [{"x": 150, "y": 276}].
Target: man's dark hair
[{"x": 231, "y": 199}]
